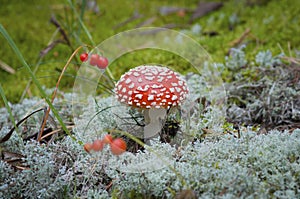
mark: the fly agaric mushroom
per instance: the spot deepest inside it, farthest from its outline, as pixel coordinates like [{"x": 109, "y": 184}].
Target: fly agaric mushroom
[{"x": 153, "y": 89}]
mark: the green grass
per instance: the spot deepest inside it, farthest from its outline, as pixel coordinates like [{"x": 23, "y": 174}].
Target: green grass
[
  {"x": 272, "y": 24},
  {"x": 35, "y": 81}
]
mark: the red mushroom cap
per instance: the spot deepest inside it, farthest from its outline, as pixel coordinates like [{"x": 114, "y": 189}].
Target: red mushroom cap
[{"x": 151, "y": 87}]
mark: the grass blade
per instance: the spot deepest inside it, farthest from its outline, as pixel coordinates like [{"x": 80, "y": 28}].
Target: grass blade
[
  {"x": 11, "y": 117},
  {"x": 79, "y": 18},
  {"x": 34, "y": 79}
]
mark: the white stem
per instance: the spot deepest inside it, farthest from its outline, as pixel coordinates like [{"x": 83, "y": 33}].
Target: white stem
[{"x": 155, "y": 125}]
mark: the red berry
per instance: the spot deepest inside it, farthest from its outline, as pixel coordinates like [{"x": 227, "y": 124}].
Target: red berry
[
  {"x": 102, "y": 62},
  {"x": 107, "y": 139},
  {"x": 98, "y": 145},
  {"x": 118, "y": 146},
  {"x": 88, "y": 147},
  {"x": 84, "y": 56},
  {"x": 94, "y": 59}
]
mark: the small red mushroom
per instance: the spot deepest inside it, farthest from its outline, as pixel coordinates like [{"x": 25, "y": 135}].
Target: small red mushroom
[{"x": 154, "y": 89}]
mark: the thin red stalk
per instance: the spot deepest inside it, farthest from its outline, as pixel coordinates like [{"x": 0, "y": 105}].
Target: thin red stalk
[{"x": 54, "y": 93}]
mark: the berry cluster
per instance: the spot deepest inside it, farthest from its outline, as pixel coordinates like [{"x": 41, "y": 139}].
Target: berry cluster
[
  {"x": 95, "y": 60},
  {"x": 117, "y": 146}
]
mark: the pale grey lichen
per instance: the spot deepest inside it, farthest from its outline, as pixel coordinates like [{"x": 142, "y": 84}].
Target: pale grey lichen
[
  {"x": 205, "y": 158},
  {"x": 266, "y": 94}
]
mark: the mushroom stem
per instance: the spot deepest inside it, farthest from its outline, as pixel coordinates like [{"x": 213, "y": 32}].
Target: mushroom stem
[{"x": 153, "y": 122}]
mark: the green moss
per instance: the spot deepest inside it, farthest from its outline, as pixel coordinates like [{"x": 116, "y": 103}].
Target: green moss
[{"x": 272, "y": 23}]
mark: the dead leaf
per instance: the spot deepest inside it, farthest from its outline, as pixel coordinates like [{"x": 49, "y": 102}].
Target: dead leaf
[{"x": 186, "y": 194}]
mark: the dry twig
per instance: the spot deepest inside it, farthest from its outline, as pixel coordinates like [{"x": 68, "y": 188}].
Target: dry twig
[{"x": 7, "y": 68}]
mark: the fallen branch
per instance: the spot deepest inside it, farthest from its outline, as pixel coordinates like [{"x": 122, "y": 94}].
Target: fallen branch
[
  {"x": 135, "y": 16},
  {"x": 50, "y": 47},
  {"x": 55, "y": 22},
  {"x": 147, "y": 22},
  {"x": 205, "y": 8},
  {"x": 241, "y": 38}
]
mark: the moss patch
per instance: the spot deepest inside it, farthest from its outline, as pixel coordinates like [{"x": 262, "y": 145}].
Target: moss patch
[{"x": 271, "y": 23}]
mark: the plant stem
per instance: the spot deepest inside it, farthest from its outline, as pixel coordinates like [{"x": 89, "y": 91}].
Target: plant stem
[
  {"x": 89, "y": 36},
  {"x": 35, "y": 81}
]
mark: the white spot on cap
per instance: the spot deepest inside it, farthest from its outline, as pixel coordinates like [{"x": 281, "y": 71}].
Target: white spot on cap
[
  {"x": 136, "y": 74},
  {"x": 130, "y": 92},
  {"x": 140, "y": 80},
  {"x": 157, "y": 106},
  {"x": 153, "y": 103},
  {"x": 128, "y": 81},
  {"x": 151, "y": 97},
  {"x": 155, "y": 72},
  {"x": 124, "y": 90},
  {"x": 168, "y": 96},
  {"x": 139, "y": 96},
  {"x": 131, "y": 85},
  {"x": 169, "y": 76},
  {"x": 172, "y": 90},
  {"x": 150, "y": 78},
  {"x": 174, "y": 84},
  {"x": 180, "y": 83},
  {"x": 174, "y": 97},
  {"x": 177, "y": 89},
  {"x": 157, "y": 86},
  {"x": 119, "y": 86},
  {"x": 143, "y": 89}
]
